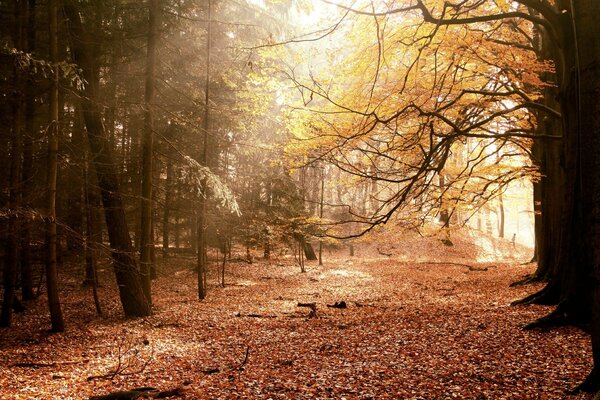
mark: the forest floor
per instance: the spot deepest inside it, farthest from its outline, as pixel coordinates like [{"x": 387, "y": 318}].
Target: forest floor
[{"x": 428, "y": 328}]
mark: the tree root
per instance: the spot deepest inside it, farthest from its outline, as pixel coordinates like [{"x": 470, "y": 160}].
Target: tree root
[
  {"x": 527, "y": 279},
  {"x": 553, "y": 320},
  {"x": 591, "y": 384},
  {"x": 547, "y": 296},
  {"x": 563, "y": 315}
]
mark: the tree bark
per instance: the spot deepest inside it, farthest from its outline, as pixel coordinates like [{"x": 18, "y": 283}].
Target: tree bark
[
  {"x": 56, "y": 317},
  {"x": 584, "y": 120},
  {"x": 27, "y": 170},
  {"x": 166, "y": 227},
  {"x": 132, "y": 296},
  {"x": 308, "y": 250},
  {"x": 202, "y": 257},
  {"x": 147, "y": 241},
  {"x": 321, "y": 200},
  {"x": 14, "y": 203},
  {"x": 93, "y": 236}
]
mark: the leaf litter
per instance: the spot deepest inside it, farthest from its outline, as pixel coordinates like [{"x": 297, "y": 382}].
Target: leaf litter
[{"x": 424, "y": 330}]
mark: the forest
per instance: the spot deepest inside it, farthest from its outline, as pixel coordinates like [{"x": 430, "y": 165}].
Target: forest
[{"x": 300, "y": 199}]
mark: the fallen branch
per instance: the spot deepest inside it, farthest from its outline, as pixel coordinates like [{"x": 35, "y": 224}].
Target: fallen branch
[
  {"x": 46, "y": 364},
  {"x": 383, "y": 253},
  {"x": 253, "y": 315},
  {"x": 128, "y": 394},
  {"x": 338, "y": 304},
  {"x": 211, "y": 371},
  {"x": 313, "y": 309},
  {"x": 145, "y": 392},
  {"x": 162, "y": 324},
  {"x": 128, "y": 358},
  {"x": 239, "y": 259},
  {"x": 244, "y": 361},
  {"x": 471, "y": 267}
]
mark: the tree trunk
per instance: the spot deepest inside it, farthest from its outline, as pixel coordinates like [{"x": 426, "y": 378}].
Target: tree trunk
[
  {"x": 444, "y": 213},
  {"x": 308, "y": 250},
  {"x": 321, "y": 212},
  {"x": 147, "y": 241},
  {"x": 267, "y": 247},
  {"x": 56, "y": 317},
  {"x": 132, "y": 296},
  {"x": 551, "y": 194},
  {"x": 14, "y": 205},
  {"x": 167, "y": 208},
  {"x": 93, "y": 236},
  {"x": 500, "y": 216},
  {"x": 27, "y": 170},
  {"x": 202, "y": 259},
  {"x": 583, "y": 119}
]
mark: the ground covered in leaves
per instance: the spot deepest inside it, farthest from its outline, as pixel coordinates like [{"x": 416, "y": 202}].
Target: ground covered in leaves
[{"x": 427, "y": 329}]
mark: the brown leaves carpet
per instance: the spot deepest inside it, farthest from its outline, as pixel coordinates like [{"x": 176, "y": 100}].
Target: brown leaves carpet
[{"x": 410, "y": 331}]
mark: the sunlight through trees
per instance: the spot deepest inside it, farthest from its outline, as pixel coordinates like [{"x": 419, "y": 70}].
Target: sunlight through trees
[{"x": 235, "y": 132}]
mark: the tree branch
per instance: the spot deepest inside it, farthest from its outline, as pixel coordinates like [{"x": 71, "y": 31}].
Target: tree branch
[{"x": 428, "y": 17}]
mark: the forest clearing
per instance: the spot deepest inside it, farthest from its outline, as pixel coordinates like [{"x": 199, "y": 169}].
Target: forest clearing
[{"x": 411, "y": 330}]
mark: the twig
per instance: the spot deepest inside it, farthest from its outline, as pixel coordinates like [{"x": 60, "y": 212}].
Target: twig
[
  {"x": 252, "y": 315},
  {"x": 241, "y": 366},
  {"x": 126, "y": 361},
  {"x": 211, "y": 371},
  {"x": 383, "y": 253}
]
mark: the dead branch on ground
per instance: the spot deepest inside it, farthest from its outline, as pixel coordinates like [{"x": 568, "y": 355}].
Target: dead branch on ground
[{"x": 313, "y": 309}]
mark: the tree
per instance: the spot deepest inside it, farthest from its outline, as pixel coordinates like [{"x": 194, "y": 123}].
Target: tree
[
  {"x": 462, "y": 98},
  {"x": 147, "y": 241},
  {"x": 56, "y": 317},
  {"x": 417, "y": 106},
  {"x": 133, "y": 299},
  {"x": 202, "y": 256},
  {"x": 27, "y": 169},
  {"x": 16, "y": 147}
]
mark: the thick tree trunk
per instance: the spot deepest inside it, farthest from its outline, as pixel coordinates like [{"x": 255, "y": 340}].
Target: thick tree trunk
[
  {"x": 308, "y": 250},
  {"x": 569, "y": 253},
  {"x": 132, "y": 296},
  {"x": 586, "y": 116},
  {"x": 553, "y": 194},
  {"x": 549, "y": 193}
]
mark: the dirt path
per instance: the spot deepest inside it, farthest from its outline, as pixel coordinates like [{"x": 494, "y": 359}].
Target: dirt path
[{"x": 411, "y": 331}]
